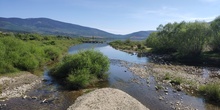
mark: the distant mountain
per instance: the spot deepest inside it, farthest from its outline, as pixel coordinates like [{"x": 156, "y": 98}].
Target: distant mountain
[
  {"x": 139, "y": 35},
  {"x": 49, "y": 26}
]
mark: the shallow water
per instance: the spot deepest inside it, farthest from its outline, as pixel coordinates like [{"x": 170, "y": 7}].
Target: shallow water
[
  {"x": 119, "y": 77},
  {"x": 110, "y": 52}
]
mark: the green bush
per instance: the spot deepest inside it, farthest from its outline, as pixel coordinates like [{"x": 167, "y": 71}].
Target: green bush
[
  {"x": 167, "y": 76},
  {"x": 81, "y": 69},
  {"x": 28, "y": 62},
  {"x": 28, "y": 52},
  {"x": 128, "y": 45},
  {"x": 81, "y": 79},
  {"x": 52, "y": 53},
  {"x": 176, "y": 81},
  {"x": 211, "y": 92}
]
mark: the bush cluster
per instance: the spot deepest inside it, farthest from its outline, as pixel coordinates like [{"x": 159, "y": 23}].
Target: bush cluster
[
  {"x": 82, "y": 69},
  {"x": 186, "y": 39},
  {"x": 129, "y": 45},
  {"x": 28, "y": 52}
]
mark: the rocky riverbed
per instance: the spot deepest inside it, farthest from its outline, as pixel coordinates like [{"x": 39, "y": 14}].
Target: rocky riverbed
[
  {"x": 17, "y": 86},
  {"x": 188, "y": 79},
  {"x": 156, "y": 79}
]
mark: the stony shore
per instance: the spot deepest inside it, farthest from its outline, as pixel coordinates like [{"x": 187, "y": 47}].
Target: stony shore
[
  {"x": 190, "y": 78},
  {"x": 17, "y": 86}
]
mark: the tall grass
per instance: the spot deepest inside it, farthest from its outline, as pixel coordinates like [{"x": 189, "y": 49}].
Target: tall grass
[{"x": 211, "y": 91}]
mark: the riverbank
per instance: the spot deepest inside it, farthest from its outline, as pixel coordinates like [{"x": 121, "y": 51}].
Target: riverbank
[
  {"x": 173, "y": 79},
  {"x": 130, "y": 46},
  {"x": 135, "y": 76},
  {"x": 17, "y": 85}
]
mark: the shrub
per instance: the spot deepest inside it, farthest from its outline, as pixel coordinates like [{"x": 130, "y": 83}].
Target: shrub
[
  {"x": 81, "y": 69},
  {"x": 52, "y": 53},
  {"x": 28, "y": 52},
  {"x": 211, "y": 91},
  {"x": 177, "y": 81},
  {"x": 167, "y": 76},
  {"x": 28, "y": 62}
]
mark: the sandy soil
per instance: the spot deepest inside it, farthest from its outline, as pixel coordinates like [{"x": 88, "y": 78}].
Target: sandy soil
[
  {"x": 107, "y": 99},
  {"x": 16, "y": 86}
]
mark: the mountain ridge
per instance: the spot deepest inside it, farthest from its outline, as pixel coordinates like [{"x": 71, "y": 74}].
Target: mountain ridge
[{"x": 54, "y": 27}]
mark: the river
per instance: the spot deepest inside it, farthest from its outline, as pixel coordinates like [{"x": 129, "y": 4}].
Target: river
[{"x": 119, "y": 77}]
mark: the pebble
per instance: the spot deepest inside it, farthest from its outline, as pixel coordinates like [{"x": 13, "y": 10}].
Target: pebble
[
  {"x": 171, "y": 103},
  {"x": 178, "y": 108},
  {"x": 160, "y": 98},
  {"x": 165, "y": 90},
  {"x": 24, "y": 97},
  {"x": 174, "y": 91},
  {"x": 34, "y": 97},
  {"x": 44, "y": 101},
  {"x": 177, "y": 102}
]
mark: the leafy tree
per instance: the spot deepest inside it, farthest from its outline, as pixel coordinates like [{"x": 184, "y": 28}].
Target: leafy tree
[
  {"x": 185, "y": 39},
  {"x": 192, "y": 38},
  {"x": 163, "y": 40},
  {"x": 215, "y": 43}
]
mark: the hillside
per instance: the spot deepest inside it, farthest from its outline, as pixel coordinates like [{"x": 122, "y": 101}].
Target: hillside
[
  {"x": 139, "y": 35},
  {"x": 49, "y": 26}
]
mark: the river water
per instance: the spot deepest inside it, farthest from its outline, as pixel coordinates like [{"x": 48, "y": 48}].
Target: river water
[{"x": 119, "y": 77}]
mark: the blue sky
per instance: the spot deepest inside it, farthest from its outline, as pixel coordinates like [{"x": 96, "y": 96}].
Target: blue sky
[{"x": 115, "y": 16}]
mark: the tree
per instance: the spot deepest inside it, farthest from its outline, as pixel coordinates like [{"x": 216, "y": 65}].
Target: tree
[
  {"x": 215, "y": 26},
  {"x": 192, "y": 38},
  {"x": 185, "y": 39}
]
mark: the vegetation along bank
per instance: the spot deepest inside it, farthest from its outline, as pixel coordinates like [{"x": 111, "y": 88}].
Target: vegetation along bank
[
  {"x": 29, "y": 52},
  {"x": 82, "y": 69},
  {"x": 195, "y": 43},
  {"x": 23, "y": 55}
]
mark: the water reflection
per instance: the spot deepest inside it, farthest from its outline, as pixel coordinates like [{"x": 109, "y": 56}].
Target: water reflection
[{"x": 110, "y": 52}]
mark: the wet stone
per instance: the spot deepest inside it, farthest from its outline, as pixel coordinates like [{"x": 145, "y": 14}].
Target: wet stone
[
  {"x": 34, "y": 97},
  {"x": 44, "y": 101},
  {"x": 161, "y": 98},
  {"x": 24, "y": 97}
]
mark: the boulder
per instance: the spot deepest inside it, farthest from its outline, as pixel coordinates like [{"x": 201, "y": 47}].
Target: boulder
[{"x": 107, "y": 99}]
